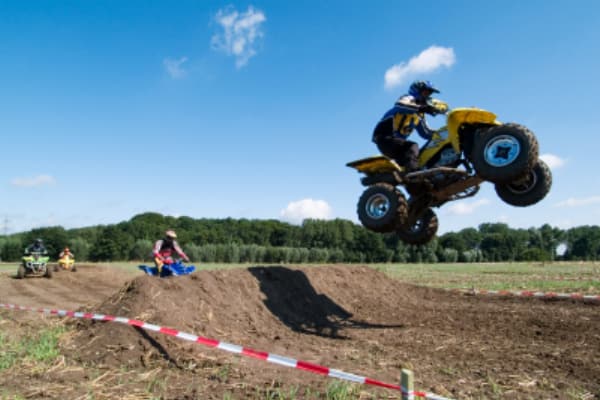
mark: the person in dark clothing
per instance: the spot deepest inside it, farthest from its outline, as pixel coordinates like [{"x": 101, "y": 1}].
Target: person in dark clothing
[
  {"x": 164, "y": 249},
  {"x": 36, "y": 247},
  {"x": 392, "y": 131}
]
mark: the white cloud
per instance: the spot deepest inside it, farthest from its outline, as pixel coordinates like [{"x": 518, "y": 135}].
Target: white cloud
[
  {"x": 175, "y": 67},
  {"x": 427, "y": 61},
  {"x": 39, "y": 180},
  {"x": 579, "y": 202},
  {"x": 240, "y": 35},
  {"x": 553, "y": 161},
  {"x": 463, "y": 208},
  {"x": 297, "y": 211}
]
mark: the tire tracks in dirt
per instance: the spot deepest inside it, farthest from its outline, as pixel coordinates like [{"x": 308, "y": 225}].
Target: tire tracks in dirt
[
  {"x": 88, "y": 288},
  {"x": 22, "y": 292},
  {"x": 41, "y": 292},
  {"x": 70, "y": 290}
]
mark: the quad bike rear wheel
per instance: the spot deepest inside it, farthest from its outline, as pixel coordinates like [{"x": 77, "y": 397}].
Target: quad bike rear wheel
[
  {"x": 422, "y": 231},
  {"x": 21, "y": 272},
  {"x": 529, "y": 189},
  {"x": 505, "y": 152},
  {"x": 382, "y": 207}
]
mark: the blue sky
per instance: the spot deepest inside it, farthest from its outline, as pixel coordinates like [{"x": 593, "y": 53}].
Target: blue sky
[{"x": 252, "y": 109}]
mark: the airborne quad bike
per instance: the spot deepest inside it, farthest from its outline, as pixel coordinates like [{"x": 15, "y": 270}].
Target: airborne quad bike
[
  {"x": 472, "y": 148},
  {"x": 34, "y": 264}
]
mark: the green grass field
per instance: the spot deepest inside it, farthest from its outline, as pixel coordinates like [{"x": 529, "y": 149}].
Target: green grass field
[
  {"x": 560, "y": 276},
  {"x": 581, "y": 277}
]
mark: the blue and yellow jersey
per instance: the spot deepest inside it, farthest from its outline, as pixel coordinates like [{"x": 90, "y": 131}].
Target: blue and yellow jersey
[{"x": 403, "y": 118}]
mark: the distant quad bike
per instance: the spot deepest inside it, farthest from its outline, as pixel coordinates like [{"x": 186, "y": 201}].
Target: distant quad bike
[
  {"x": 34, "y": 264},
  {"x": 472, "y": 148},
  {"x": 66, "y": 263}
]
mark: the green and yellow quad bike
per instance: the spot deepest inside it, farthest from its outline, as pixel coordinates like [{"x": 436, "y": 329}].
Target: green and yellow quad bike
[
  {"x": 472, "y": 148},
  {"x": 35, "y": 264}
]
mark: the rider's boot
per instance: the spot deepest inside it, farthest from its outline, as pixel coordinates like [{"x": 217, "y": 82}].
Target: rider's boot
[{"x": 159, "y": 264}]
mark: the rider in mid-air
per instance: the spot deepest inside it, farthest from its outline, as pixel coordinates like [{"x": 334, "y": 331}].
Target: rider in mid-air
[{"x": 392, "y": 131}]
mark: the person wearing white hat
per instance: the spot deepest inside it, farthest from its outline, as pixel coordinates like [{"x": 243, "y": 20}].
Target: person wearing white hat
[{"x": 164, "y": 249}]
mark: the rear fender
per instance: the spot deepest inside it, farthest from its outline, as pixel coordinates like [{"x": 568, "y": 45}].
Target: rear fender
[{"x": 375, "y": 165}]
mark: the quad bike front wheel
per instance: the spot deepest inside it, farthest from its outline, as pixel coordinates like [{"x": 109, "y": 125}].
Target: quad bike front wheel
[
  {"x": 529, "y": 189},
  {"x": 21, "y": 272},
  {"x": 505, "y": 152},
  {"x": 48, "y": 273},
  {"x": 382, "y": 207},
  {"x": 421, "y": 231}
]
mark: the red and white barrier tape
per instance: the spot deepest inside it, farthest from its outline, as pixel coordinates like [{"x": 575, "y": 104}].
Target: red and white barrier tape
[
  {"x": 528, "y": 293},
  {"x": 232, "y": 348}
]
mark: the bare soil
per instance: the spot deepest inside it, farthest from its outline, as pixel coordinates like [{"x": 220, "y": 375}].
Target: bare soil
[{"x": 355, "y": 319}]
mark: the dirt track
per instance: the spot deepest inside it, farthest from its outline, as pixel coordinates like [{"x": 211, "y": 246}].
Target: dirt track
[
  {"x": 350, "y": 318},
  {"x": 89, "y": 285}
]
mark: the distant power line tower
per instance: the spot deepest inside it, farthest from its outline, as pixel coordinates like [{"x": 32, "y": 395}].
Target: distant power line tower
[{"x": 5, "y": 226}]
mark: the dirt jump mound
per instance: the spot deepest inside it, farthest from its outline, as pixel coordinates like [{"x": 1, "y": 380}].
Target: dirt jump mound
[
  {"x": 355, "y": 319},
  {"x": 254, "y": 306}
]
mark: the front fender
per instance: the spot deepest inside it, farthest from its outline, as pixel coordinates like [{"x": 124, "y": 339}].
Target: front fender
[{"x": 460, "y": 116}]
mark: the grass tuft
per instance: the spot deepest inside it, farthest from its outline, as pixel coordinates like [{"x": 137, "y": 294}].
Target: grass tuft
[{"x": 40, "y": 346}]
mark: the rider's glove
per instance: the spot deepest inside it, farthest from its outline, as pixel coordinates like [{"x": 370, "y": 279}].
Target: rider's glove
[{"x": 428, "y": 109}]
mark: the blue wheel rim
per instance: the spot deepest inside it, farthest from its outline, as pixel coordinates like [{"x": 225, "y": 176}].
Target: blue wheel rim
[
  {"x": 502, "y": 151},
  {"x": 377, "y": 206}
]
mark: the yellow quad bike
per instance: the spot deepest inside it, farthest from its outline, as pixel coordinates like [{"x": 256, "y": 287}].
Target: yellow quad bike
[
  {"x": 472, "y": 148},
  {"x": 66, "y": 263}
]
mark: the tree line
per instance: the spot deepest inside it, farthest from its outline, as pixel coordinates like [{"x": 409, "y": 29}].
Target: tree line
[{"x": 315, "y": 241}]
